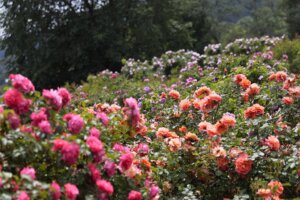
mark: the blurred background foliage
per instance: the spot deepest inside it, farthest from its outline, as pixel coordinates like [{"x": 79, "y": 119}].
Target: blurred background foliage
[{"x": 58, "y": 41}]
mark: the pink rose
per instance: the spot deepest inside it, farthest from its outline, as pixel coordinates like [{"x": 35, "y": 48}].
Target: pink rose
[
  {"x": 134, "y": 195},
  {"x": 21, "y": 83},
  {"x": 126, "y": 161},
  {"x": 105, "y": 186},
  {"x": 55, "y": 190},
  {"x": 71, "y": 191},
  {"x": 28, "y": 171}
]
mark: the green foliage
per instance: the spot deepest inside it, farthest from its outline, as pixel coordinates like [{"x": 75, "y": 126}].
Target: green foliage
[
  {"x": 67, "y": 40},
  {"x": 238, "y": 19},
  {"x": 293, "y": 17},
  {"x": 185, "y": 160},
  {"x": 290, "y": 48}
]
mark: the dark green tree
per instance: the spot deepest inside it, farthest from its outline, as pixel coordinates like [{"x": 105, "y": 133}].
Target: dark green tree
[
  {"x": 54, "y": 41},
  {"x": 293, "y": 17}
]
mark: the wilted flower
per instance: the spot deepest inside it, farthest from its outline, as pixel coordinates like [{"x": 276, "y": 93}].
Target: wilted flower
[
  {"x": 264, "y": 193},
  {"x": 143, "y": 149}
]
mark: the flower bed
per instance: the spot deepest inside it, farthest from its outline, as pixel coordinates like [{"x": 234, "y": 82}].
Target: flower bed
[{"x": 225, "y": 131}]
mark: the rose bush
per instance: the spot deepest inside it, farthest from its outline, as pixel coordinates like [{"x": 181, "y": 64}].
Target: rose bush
[{"x": 226, "y": 129}]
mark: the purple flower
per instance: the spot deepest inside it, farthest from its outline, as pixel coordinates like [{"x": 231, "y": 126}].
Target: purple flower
[
  {"x": 110, "y": 168},
  {"x": 140, "y": 104},
  {"x": 190, "y": 80},
  {"x": 154, "y": 190},
  {"x": 162, "y": 100},
  {"x": 103, "y": 118},
  {"x": 147, "y": 89}
]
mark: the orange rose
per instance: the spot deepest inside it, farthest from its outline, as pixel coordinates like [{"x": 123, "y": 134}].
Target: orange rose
[
  {"x": 220, "y": 128},
  {"x": 254, "y": 111},
  {"x": 184, "y": 105},
  {"x": 228, "y": 119},
  {"x": 202, "y": 92},
  {"x": 203, "y": 125},
  {"x": 245, "y": 97},
  {"x": 287, "y": 100},
  {"x": 295, "y": 92},
  {"x": 174, "y": 144},
  {"x": 245, "y": 83},
  {"x": 223, "y": 163},
  {"x": 174, "y": 94},
  {"x": 243, "y": 165},
  {"x": 253, "y": 89},
  {"x": 264, "y": 193},
  {"x": 191, "y": 136},
  {"x": 238, "y": 78},
  {"x": 280, "y": 76},
  {"x": 183, "y": 129},
  {"x": 273, "y": 143},
  {"x": 276, "y": 188}
]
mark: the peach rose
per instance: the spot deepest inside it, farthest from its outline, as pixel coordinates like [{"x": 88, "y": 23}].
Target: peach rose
[
  {"x": 202, "y": 92},
  {"x": 254, "y": 111},
  {"x": 174, "y": 94},
  {"x": 253, "y": 89},
  {"x": 245, "y": 83},
  {"x": 185, "y": 104},
  {"x": 276, "y": 188},
  {"x": 203, "y": 125},
  {"x": 273, "y": 143},
  {"x": 287, "y": 100},
  {"x": 243, "y": 165}
]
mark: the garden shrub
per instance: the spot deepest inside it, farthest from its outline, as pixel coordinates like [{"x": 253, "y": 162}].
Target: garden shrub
[
  {"x": 289, "y": 50},
  {"x": 202, "y": 133}
]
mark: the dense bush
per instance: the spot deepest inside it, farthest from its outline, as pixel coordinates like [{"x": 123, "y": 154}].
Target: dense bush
[
  {"x": 289, "y": 50},
  {"x": 229, "y": 129}
]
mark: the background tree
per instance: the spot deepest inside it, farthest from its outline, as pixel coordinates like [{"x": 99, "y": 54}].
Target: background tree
[
  {"x": 293, "y": 17},
  {"x": 64, "y": 40}
]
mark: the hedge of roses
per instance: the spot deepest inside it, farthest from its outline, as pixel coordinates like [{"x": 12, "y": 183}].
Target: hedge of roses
[{"x": 226, "y": 130}]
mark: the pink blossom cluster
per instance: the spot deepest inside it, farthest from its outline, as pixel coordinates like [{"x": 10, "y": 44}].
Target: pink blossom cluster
[
  {"x": 57, "y": 98},
  {"x": 70, "y": 151}
]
